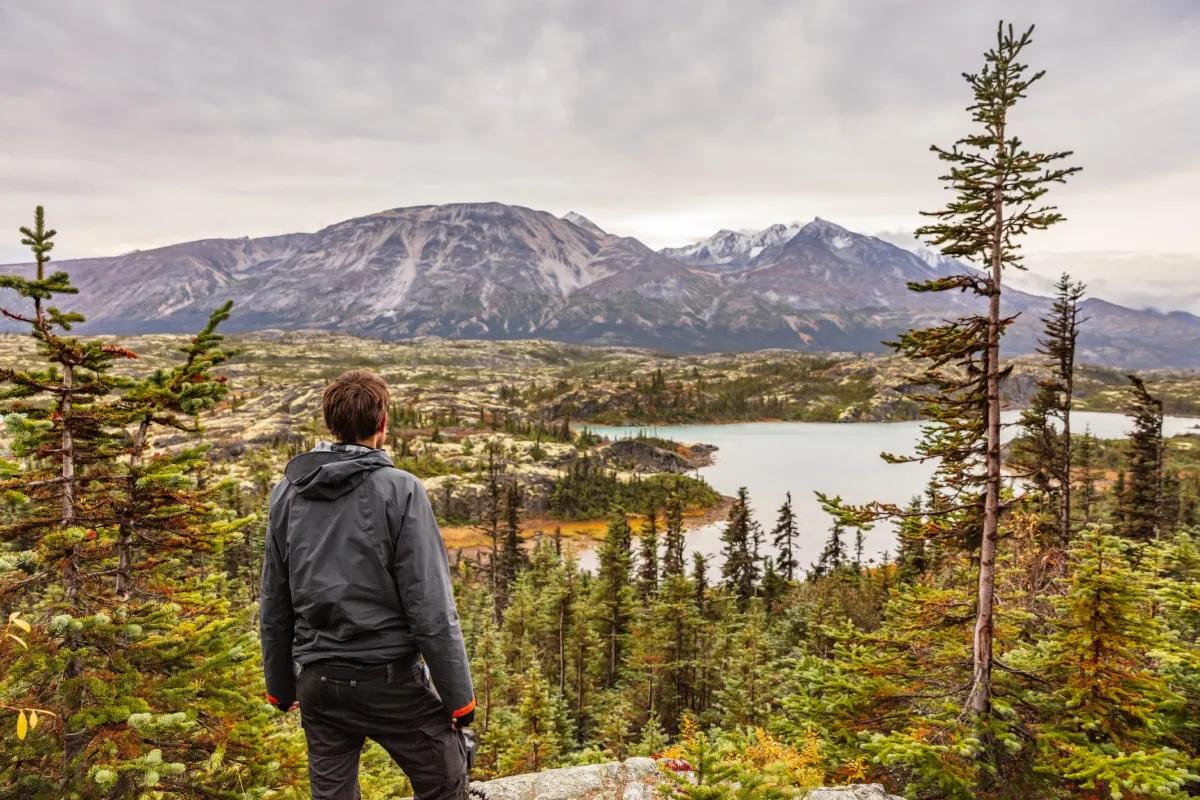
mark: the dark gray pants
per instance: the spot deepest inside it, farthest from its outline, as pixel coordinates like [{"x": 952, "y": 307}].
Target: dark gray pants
[{"x": 340, "y": 709}]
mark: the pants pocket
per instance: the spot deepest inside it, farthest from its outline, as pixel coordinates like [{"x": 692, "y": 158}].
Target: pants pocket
[{"x": 449, "y": 751}]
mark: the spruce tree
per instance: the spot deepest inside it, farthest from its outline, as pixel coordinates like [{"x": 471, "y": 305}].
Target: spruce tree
[
  {"x": 1058, "y": 344},
  {"x": 648, "y": 556},
  {"x": 149, "y": 680},
  {"x": 1044, "y": 448},
  {"x": 1103, "y": 724},
  {"x": 912, "y": 560},
  {"x": 653, "y": 739},
  {"x": 512, "y": 558},
  {"x": 998, "y": 186},
  {"x": 833, "y": 556},
  {"x": 535, "y": 743},
  {"x": 774, "y": 585},
  {"x": 1085, "y": 456},
  {"x": 740, "y": 569},
  {"x": 676, "y": 616},
  {"x": 673, "y": 545},
  {"x": 1037, "y": 450},
  {"x": 490, "y": 518},
  {"x": 740, "y": 699},
  {"x": 584, "y": 650},
  {"x": 785, "y": 539},
  {"x": 613, "y": 598},
  {"x": 1144, "y": 462},
  {"x": 700, "y": 581}
]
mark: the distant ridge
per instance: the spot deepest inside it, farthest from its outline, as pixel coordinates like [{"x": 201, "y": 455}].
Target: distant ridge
[{"x": 489, "y": 270}]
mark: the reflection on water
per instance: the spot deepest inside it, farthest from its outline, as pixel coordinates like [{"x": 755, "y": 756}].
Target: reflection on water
[{"x": 773, "y": 458}]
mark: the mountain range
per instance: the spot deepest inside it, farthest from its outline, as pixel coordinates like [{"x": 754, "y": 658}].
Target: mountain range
[{"x": 488, "y": 270}]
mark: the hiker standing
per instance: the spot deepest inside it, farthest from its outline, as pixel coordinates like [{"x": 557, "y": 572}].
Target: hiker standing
[{"x": 358, "y": 613}]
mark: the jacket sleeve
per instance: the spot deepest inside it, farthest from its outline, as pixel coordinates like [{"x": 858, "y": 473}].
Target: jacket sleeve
[
  {"x": 423, "y": 581},
  {"x": 277, "y": 618}
]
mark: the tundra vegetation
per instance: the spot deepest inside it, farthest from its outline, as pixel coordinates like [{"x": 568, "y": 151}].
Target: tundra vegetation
[{"x": 1035, "y": 634}]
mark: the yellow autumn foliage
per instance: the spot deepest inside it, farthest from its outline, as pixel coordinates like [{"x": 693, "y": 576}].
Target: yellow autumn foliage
[
  {"x": 782, "y": 764},
  {"x": 759, "y": 753}
]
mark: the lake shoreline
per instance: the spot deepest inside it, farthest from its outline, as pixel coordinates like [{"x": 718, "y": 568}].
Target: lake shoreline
[{"x": 579, "y": 534}]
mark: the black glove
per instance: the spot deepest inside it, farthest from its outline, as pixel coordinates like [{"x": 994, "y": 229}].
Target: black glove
[{"x": 465, "y": 720}]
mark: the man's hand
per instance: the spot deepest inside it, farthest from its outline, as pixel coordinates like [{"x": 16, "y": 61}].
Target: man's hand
[
  {"x": 465, "y": 720},
  {"x": 274, "y": 702}
]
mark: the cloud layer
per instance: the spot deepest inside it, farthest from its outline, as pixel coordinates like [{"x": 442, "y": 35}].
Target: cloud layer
[{"x": 141, "y": 123}]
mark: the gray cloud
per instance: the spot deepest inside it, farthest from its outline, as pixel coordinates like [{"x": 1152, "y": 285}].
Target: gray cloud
[{"x": 141, "y": 123}]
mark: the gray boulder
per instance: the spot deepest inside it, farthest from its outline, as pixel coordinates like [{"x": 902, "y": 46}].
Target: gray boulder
[
  {"x": 856, "y": 791},
  {"x": 632, "y": 779}
]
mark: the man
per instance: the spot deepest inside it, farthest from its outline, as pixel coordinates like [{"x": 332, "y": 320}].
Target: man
[{"x": 355, "y": 593}]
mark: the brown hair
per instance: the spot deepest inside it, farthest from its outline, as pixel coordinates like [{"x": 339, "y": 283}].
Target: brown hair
[{"x": 355, "y": 405}]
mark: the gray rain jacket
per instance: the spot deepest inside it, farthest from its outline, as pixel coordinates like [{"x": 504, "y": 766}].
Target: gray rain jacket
[{"x": 355, "y": 571}]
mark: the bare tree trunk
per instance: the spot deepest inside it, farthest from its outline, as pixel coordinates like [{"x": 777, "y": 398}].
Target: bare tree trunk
[
  {"x": 579, "y": 666},
  {"x": 68, "y": 447},
  {"x": 1068, "y": 370},
  {"x": 562, "y": 647},
  {"x": 980, "y": 699},
  {"x": 1065, "y": 478},
  {"x": 71, "y": 567},
  {"x": 1158, "y": 478},
  {"x": 72, "y": 743}
]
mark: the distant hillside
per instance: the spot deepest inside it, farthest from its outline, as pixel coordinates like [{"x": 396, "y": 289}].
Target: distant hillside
[{"x": 489, "y": 270}]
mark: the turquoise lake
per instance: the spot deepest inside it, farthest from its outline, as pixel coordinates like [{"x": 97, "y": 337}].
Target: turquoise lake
[{"x": 773, "y": 458}]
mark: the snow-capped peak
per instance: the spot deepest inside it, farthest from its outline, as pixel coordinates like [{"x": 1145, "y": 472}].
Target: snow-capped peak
[
  {"x": 825, "y": 229},
  {"x": 726, "y": 246}
]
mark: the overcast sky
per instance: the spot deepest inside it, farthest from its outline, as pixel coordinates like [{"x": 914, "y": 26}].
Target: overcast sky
[{"x": 141, "y": 123}]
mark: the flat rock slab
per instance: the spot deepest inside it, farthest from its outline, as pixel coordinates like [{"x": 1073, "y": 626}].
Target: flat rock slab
[
  {"x": 632, "y": 779},
  {"x": 856, "y": 791}
]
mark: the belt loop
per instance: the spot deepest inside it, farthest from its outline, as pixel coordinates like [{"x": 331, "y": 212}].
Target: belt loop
[{"x": 389, "y": 673}]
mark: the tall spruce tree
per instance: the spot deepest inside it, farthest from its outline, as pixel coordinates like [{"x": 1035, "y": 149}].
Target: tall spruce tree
[
  {"x": 673, "y": 544},
  {"x": 1058, "y": 344},
  {"x": 1144, "y": 463},
  {"x": 613, "y": 599},
  {"x": 148, "y": 678},
  {"x": 833, "y": 555},
  {"x": 998, "y": 185},
  {"x": 740, "y": 569},
  {"x": 648, "y": 556},
  {"x": 1102, "y": 722},
  {"x": 700, "y": 582},
  {"x": 785, "y": 540},
  {"x": 491, "y": 516},
  {"x": 1085, "y": 457},
  {"x": 1044, "y": 447},
  {"x": 535, "y": 743}
]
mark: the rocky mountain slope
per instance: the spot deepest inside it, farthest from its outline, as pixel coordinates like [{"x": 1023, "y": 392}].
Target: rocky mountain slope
[{"x": 494, "y": 271}]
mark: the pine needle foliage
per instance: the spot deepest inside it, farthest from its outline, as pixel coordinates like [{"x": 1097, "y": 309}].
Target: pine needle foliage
[{"x": 151, "y": 676}]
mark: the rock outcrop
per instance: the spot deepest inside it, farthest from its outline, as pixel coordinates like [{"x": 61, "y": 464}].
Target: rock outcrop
[
  {"x": 639, "y": 455},
  {"x": 632, "y": 779}
]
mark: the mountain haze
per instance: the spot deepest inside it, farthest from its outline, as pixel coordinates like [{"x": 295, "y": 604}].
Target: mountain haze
[{"x": 488, "y": 270}]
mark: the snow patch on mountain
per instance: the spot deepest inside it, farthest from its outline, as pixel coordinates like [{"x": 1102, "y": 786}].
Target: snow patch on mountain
[
  {"x": 581, "y": 221},
  {"x": 731, "y": 247}
]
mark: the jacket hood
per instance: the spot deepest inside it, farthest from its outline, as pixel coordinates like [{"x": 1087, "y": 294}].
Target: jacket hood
[{"x": 330, "y": 471}]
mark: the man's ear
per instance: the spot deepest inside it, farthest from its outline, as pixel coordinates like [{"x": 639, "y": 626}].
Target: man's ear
[{"x": 383, "y": 423}]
